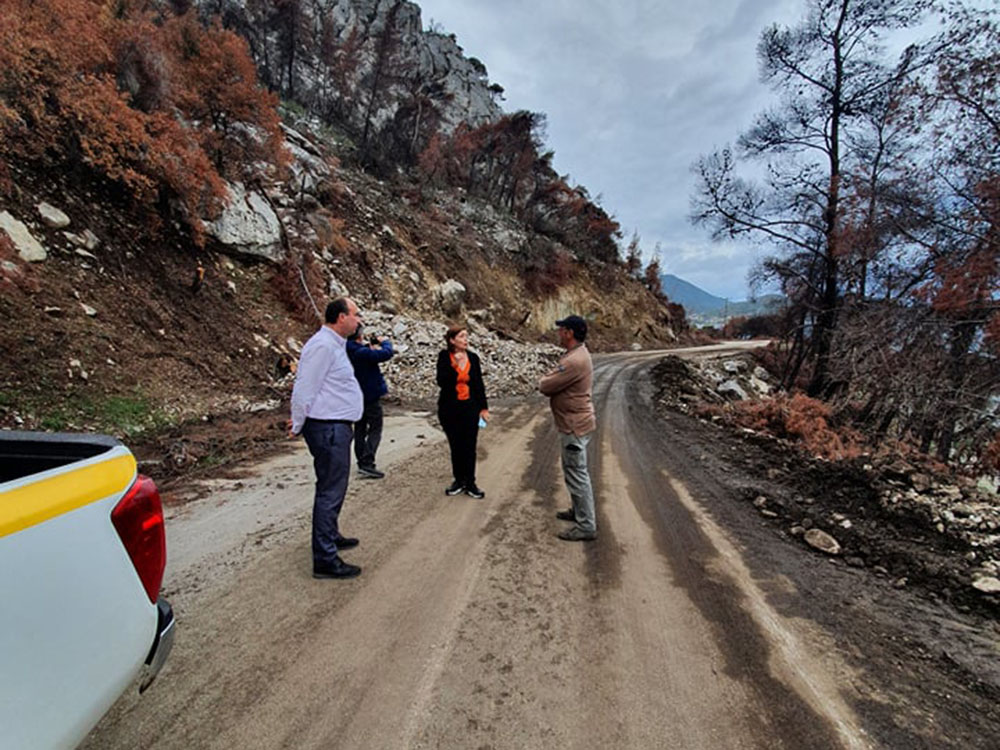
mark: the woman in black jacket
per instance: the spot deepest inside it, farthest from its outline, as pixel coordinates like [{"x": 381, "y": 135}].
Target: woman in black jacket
[{"x": 461, "y": 404}]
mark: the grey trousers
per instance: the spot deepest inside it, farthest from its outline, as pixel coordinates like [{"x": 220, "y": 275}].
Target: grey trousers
[{"x": 574, "y": 464}]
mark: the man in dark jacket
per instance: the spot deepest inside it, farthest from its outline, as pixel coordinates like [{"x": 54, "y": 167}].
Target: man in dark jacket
[{"x": 366, "y": 356}]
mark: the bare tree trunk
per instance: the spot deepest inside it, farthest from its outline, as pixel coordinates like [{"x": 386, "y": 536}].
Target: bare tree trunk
[{"x": 826, "y": 320}]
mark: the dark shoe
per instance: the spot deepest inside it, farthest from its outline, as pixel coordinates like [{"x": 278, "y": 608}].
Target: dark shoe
[
  {"x": 455, "y": 488},
  {"x": 576, "y": 534},
  {"x": 371, "y": 472},
  {"x": 473, "y": 491},
  {"x": 346, "y": 542},
  {"x": 336, "y": 569},
  {"x": 566, "y": 515}
]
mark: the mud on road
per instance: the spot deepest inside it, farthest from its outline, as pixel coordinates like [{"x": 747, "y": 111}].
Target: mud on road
[{"x": 690, "y": 623}]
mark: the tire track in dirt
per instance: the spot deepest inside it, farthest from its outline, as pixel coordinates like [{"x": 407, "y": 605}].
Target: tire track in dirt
[{"x": 759, "y": 690}]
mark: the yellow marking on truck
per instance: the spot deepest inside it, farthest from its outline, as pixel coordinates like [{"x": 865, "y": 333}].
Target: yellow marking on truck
[{"x": 37, "y": 502}]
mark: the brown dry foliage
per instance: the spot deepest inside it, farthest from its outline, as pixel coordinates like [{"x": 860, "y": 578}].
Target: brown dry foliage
[
  {"x": 991, "y": 455},
  {"x": 330, "y": 231},
  {"x": 800, "y": 419},
  {"x": 287, "y": 285},
  {"x": 132, "y": 94},
  {"x": 543, "y": 279}
]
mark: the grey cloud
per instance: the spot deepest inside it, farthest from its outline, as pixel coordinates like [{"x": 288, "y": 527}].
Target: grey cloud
[{"x": 634, "y": 91}]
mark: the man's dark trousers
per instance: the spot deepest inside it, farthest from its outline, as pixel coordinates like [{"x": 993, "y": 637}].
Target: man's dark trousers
[
  {"x": 330, "y": 445},
  {"x": 368, "y": 434}
]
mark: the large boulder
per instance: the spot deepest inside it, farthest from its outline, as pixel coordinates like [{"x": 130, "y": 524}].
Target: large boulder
[
  {"x": 450, "y": 295},
  {"x": 248, "y": 225},
  {"x": 25, "y": 243}
]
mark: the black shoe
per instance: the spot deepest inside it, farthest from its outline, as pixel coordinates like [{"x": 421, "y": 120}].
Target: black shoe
[
  {"x": 346, "y": 542},
  {"x": 336, "y": 569},
  {"x": 455, "y": 488},
  {"x": 576, "y": 534},
  {"x": 566, "y": 515},
  {"x": 371, "y": 472},
  {"x": 473, "y": 491}
]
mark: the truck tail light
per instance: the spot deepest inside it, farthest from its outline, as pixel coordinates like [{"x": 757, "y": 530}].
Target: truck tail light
[{"x": 138, "y": 518}]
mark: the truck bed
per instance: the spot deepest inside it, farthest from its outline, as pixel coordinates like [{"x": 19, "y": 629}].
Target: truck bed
[{"x": 25, "y": 453}]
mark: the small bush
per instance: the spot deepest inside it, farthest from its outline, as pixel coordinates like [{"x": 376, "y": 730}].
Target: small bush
[
  {"x": 543, "y": 280},
  {"x": 287, "y": 283},
  {"x": 991, "y": 455},
  {"x": 801, "y": 419}
]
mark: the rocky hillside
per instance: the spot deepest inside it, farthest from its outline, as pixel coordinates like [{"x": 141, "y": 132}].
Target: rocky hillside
[
  {"x": 112, "y": 321},
  {"x": 326, "y": 54},
  {"x": 124, "y": 310}
]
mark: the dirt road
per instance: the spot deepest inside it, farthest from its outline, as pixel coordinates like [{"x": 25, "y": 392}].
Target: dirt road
[{"x": 472, "y": 625}]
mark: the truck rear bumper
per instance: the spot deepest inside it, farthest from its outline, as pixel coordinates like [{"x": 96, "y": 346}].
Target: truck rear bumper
[{"x": 162, "y": 644}]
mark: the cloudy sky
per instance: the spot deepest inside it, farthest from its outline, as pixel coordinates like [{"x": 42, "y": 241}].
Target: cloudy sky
[{"x": 635, "y": 91}]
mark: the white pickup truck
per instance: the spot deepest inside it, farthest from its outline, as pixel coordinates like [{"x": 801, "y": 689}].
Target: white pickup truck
[{"x": 82, "y": 553}]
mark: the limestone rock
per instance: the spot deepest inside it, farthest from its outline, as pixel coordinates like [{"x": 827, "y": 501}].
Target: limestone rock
[
  {"x": 509, "y": 368},
  {"x": 450, "y": 295},
  {"x": 337, "y": 289},
  {"x": 25, "y": 243},
  {"x": 52, "y": 216},
  {"x": 248, "y": 225},
  {"x": 459, "y": 86},
  {"x": 819, "y": 539},
  {"x": 732, "y": 391},
  {"x": 90, "y": 240},
  {"x": 307, "y": 167},
  {"x": 987, "y": 584}
]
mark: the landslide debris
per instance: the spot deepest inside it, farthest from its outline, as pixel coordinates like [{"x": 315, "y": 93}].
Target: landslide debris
[{"x": 898, "y": 516}]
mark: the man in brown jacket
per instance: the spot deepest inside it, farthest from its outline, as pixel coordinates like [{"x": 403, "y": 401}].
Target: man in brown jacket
[{"x": 569, "y": 389}]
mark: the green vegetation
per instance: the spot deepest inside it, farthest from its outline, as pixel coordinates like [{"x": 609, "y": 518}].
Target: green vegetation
[{"x": 118, "y": 415}]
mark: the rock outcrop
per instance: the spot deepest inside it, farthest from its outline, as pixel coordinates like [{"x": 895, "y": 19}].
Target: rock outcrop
[
  {"x": 436, "y": 68},
  {"x": 248, "y": 225},
  {"x": 28, "y": 248}
]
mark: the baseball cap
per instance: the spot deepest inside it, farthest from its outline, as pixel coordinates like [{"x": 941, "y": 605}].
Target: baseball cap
[{"x": 576, "y": 324}]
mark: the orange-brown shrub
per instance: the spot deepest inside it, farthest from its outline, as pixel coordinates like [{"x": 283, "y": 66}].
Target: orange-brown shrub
[
  {"x": 546, "y": 279},
  {"x": 800, "y": 419},
  {"x": 157, "y": 104},
  {"x": 991, "y": 455},
  {"x": 330, "y": 232}
]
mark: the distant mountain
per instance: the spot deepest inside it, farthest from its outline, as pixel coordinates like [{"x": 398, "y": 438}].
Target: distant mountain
[
  {"x": 694, "y": 299},
  {"x": 702, "y": 306}
]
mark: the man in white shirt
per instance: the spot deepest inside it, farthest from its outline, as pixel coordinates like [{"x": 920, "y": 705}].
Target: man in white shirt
[{"x": 326, "y": 402}]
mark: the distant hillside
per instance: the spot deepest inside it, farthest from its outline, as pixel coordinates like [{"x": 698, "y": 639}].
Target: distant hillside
[
  {"x": 694, "y": 299},
  {"x": 700, "y": 305}
]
